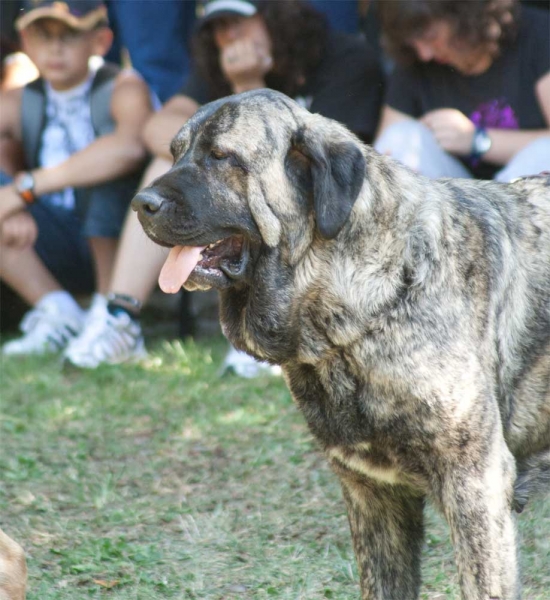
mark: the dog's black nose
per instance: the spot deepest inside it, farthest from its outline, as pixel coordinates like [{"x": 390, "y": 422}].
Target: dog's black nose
[{"x": 147, "y": 202}]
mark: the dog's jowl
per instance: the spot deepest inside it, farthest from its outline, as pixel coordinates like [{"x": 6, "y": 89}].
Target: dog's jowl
[{"x": 411, "y": 318}]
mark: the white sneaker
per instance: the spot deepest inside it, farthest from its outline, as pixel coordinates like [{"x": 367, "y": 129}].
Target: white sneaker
[
  {"x": 106, "y": 339},
  {"x": 97, "y": 308},
  {"x": 246, "y": 366},
  {"x": 46, "y": 329},
  {"x": 97, "y": 311}
]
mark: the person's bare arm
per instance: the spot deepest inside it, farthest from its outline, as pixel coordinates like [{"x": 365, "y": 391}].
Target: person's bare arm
[
  {"x": 109, "y": 156},
  {"x": 10, "y": 131},
  {"x": 164, "y": 124},
  {"x": 10, "y": 113},
  {"x": 10, "y": 149}
]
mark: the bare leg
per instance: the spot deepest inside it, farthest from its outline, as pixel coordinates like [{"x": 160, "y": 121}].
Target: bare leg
[
  {"x": 104, "y": 252},
  {"x": 26, "y": 274},
  {"x": 139, "y": 260},
  {"x": 387, "y": 530},
  {"x": 114, "y": 335}
]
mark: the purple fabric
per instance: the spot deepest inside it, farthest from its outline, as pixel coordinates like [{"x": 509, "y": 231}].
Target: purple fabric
[{"x": 495, "y": 114}]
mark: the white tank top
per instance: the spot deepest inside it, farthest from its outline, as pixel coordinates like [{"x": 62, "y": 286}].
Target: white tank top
[{"x": 68, "y": 129}]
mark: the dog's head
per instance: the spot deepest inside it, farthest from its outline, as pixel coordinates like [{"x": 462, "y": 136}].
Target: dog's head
[{"x": 251, "y": 173}]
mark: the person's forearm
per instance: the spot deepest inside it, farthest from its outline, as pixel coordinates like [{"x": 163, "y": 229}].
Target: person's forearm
[
  {"x": 109, "y": 157},
  {"x": 506, "y": 143}
]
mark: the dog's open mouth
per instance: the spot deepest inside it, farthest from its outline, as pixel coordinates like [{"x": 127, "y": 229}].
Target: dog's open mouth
[{"x": 217, "y": 265}]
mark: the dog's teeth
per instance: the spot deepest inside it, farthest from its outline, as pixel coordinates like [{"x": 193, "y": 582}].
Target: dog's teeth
[{"x": 214, "y": 244}]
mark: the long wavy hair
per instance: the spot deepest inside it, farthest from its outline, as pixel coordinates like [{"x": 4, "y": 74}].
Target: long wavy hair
[
  {"x": 298, "y": 36},
  {"x": 481, "y": 24}
]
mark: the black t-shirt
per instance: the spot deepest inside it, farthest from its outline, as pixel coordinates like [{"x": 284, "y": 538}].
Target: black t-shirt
[
  {"x": 502, "y": 97},
  {"x": 346, "y": 86}
]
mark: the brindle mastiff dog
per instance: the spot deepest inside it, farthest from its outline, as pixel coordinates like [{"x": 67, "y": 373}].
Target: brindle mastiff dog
[{"x": 411, "y": 318}]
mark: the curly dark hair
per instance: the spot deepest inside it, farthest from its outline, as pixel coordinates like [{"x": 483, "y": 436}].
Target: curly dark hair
[
  {"x": 298, "y": 35},
  {"x": 482, "y": 24}
]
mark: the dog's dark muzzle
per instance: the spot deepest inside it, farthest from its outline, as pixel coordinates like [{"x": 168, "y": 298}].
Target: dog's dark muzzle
[
  {"x": 148, "y": 203},
  {"x": 155, "y": 212}
]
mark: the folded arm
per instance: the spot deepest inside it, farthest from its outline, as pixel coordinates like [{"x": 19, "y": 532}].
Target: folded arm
[
  {"x": 109, "y": 156},
  {"x": 454, "y": 131}
]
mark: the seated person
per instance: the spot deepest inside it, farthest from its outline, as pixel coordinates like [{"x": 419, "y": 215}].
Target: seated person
[
  {"x": 470, "y": 95},
  {"x": 80, "y": 131},
  {"x": 237, "y": 47}
]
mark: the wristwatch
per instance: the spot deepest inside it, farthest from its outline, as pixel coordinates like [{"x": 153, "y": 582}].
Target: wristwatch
[
  {"x": 24, "y": 186},
  {"x": 480, "y": 144}
]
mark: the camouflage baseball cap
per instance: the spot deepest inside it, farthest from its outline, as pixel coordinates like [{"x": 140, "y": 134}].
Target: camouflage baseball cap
[{"x": 83, "y": 15}]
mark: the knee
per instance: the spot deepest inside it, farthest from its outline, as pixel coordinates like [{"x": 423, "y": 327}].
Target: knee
[
  {"x": 10, "y": 253},
  {"x": 536, "y": 154},
  {"x": 530, "y": 160},
  {"x": 414, "y": 145},
  {"x": 539, "y": 147},
  {"x": 402, "y": 137}
]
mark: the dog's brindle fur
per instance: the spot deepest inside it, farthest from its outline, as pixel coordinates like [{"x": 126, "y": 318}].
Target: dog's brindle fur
[{"x": 411, "y": 318}]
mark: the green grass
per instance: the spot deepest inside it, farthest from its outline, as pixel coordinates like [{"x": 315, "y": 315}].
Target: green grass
[{"x": 164, "y": 480}]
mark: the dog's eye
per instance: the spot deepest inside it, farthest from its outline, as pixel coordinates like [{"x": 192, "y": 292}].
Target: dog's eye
[
  {"x": 219, "y": 155},
  {"x": 228, "y": 158}
]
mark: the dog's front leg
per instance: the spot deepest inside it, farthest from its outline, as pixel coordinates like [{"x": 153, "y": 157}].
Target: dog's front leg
[
  {"x": 476, "y": 493},
  {"x": 387, "y": 530}
]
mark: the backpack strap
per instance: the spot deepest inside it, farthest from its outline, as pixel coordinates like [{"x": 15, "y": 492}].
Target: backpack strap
[
  {"x": 33, "y": 116},
  {"x": 100, "y": 99}
]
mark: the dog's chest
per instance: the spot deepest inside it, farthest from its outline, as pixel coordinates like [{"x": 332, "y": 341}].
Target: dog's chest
[
  {"x": 342, "y": 409},
  {"x": 365, "y": 434},
  {"x": 373, "y": 462},
  {"x": 362, "y": 460}
]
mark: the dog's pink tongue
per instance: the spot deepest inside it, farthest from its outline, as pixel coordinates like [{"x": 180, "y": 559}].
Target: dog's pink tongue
[{"x": 178, "y": 266}]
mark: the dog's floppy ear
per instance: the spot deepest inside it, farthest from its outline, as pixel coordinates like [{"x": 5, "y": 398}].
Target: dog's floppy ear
[{"x": 337, "y": 167}]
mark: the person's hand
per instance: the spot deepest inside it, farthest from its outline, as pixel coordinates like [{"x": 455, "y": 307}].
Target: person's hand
[
  {"x": 245, "y": 64},
  {"x": 452, "y": 129},
  {"x": 19, "y": 230},
  {"x": 10, "y": 201}
]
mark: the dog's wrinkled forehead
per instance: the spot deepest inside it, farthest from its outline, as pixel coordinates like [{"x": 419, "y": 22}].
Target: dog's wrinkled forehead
[{"x": 255, "y": 124}]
